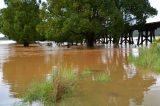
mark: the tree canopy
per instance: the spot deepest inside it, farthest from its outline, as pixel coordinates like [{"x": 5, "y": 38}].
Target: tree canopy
[
  {"x": 19, "y": 20},
  {"x": 93, "y": 18},
  {"x": 73, "y": 20}
]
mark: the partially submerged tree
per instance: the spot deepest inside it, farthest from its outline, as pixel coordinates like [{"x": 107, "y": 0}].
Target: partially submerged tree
[
  {"x": 91, "y": 18},
  {"x": 126, "y": 13},
  {"x": 85, "y": 18},
  {"x": 66, "y": 20},
  {"x": 19, "y": 20}
]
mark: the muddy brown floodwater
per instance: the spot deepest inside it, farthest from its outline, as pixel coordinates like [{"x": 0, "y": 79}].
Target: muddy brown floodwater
[{"x": 129, "y": 86}]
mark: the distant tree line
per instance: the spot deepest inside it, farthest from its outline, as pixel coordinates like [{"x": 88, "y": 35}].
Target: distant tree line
[{"x": 71, "y": 20}]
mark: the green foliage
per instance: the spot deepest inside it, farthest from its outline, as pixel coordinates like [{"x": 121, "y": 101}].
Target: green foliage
[
  {"x": 19, "y": 20},
  {"x": 95, "y": 76},
  {"x": 102, "y": 77},
  {"x": 57, "y": 87},
  {"x": 92, "y": 18},
  {"x": 157, "y": 41},
  {"x": 148, "y": 58},
  {"x": 40, "y": 91},
  {"x": 66, "y": 20},
  {"x": 140, "y": 10},
  {"x": 87, "y": 71}
]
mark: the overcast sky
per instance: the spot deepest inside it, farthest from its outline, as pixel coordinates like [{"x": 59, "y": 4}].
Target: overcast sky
[{"x": 154, "y": 3}]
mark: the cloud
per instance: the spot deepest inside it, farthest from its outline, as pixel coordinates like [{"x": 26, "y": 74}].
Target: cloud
[
  {"x": 155, "y": 4},
  {"x": 1, "y": 35},
  {"x": 2, "y": 5}
]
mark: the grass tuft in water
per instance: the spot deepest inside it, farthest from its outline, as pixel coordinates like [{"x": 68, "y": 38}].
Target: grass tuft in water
[
  {"x": 148, "y": 58},
  {"x": 59, "y": 86},
  {"x": 54, "y": 89},
  {"x": 88, "y": 74},
  {"x": 102, "y": 77},
  {"x": 40, "y": 91},
  {"x": 87, "y": 71}
]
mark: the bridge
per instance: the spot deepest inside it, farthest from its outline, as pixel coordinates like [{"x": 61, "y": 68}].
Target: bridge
[{"x": 146, "y": 33}]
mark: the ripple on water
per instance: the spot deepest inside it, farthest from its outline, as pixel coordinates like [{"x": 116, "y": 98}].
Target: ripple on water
[{"x": 20, "y": 66}]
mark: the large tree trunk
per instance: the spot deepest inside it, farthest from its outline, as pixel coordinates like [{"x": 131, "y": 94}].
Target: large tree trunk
[
  {"x": 115, "y": 42},
  {"x": 26, "y": 44},
  {"x": 90, "y": 39}
]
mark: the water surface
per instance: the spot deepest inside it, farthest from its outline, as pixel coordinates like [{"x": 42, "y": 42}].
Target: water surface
[{"x": 129, "y": 86}]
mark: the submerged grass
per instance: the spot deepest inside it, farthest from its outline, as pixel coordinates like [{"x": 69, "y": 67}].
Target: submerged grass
[
  {"x": 41, "y": 91},
  {"x": 59, "y": 86},
  {"x": 96, "y": 76},
  {"x": 87, "y": 71},
  {"x": 102, "y": 77},
  {"x": 50, "y": 91},
  {"x": 148, "y": 58}
]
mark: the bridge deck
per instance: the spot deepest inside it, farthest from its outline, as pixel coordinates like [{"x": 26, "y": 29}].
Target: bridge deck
[{"x": 147, "y": 26}]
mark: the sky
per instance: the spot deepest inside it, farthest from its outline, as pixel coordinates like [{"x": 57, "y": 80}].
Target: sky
[{"x": 154, "y": 3}]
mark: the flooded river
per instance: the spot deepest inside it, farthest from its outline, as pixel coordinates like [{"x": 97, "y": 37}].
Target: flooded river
[{"x": 129, "y": 86}]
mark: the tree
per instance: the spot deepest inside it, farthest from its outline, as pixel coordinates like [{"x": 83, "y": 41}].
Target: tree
[
  {"x": 91, "y": 18},
  {"x": 19, "y": 20},
  {"x": 127, "y": 13}
]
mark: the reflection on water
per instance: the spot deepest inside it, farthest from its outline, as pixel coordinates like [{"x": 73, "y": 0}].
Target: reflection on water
[
  {"x": 19, "y": 67},
  {"x": 26, "y": 66},
  {"x": 5, "y": 93},
  {"x": 118, "y": 92},
  {"x": 4, "y": 42}
]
